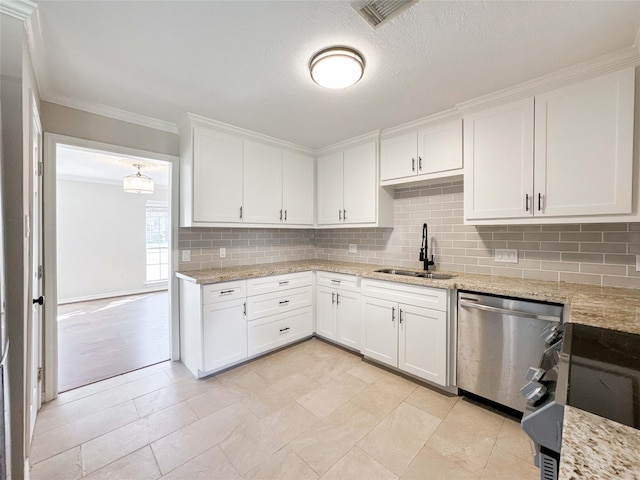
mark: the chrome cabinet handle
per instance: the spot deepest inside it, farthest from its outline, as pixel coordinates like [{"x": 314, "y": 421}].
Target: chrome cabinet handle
[
  {"x": 245, "y": 309},
  {"x": 419, "y": 163},
  {"x": 284, "y": 282},
  {"x": 285, "y": 215},
  {"x": 284, "y": 302},
  {"x": 539, "y": 202},
  {"x": 337, "y": 299},
  {"x": 401, "y": 316},
  {"x": 284, "y": 329},
  {"x": 240, "y": 213},
  {"x": 526, "y": 202},
  {"x": 413, "y": 164},
  {"x": 280, "y": 214},
  {"x": 333, "y": 297},
  {"x": 515, "y": 313},
  {"x": 393, "y": 314},
  {"x": 339, "y": 214},
  {"x": 344, "y": 214},
  {"x": 333, "y": 280},
  {"x": 224, "y": 292}
]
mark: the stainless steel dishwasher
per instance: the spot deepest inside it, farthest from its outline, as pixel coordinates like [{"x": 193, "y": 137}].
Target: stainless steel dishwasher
[{"x": 499, "y": 338}]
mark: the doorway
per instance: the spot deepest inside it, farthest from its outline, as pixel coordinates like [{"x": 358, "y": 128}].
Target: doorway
[{"x": 113, "y": 262}]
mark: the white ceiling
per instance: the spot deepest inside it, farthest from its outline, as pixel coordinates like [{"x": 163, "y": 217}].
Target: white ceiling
[
  {"x": 85, "y": 164},
  {"x": 245, "y": 62}
]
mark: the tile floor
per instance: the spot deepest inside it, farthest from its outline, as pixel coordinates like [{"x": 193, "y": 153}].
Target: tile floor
[{"x": 309, "y": 411}]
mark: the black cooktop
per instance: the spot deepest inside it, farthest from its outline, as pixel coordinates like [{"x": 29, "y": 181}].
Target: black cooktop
[{"x": 604, "y": 373}]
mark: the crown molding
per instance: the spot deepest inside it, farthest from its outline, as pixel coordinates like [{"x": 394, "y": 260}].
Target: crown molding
[
  {"x": 111, "y": 112},
  {"x": 626, "y": 57},
  {"x": 20, "y": 9},
  {"x": 436, "y": 118},
  {"x": 365, "y": 137},
  {"x": 192, "y": 118}
]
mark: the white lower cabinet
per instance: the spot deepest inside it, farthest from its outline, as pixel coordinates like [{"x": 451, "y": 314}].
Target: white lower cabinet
[
  {"x": 282, "y": 313},
  {"x": 338, "y": 309},
  {"x": 213, "y": 326},
  {"x": 405, "y": 327}
]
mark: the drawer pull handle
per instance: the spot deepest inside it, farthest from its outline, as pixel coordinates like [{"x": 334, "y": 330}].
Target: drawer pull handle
[
  {"x": 284, "y": 329},
  {"x": 337, "y": 299},
  {"x": 393, "y": 314},
  {"x": 284, "y": 302},
  {"x": 400, "y": 316},
  {"x": 335, "y": 281},
  {"x": 224, "y": 292},
  {"x": 285, "y": 282},
  {"x": 333, "y": 297},
  {"x": 244, "y": 309}
]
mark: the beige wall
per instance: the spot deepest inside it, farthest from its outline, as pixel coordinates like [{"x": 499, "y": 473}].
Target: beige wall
[
  {"x": 600, "y": 254},
  {"x": 89, "y": 126}
]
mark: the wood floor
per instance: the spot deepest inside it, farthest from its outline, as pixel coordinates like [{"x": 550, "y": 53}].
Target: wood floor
[{"x": 103, "y": 338}]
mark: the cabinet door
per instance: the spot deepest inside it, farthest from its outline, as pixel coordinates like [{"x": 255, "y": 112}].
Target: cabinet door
[
  {"x": 498, "y": 152},
  {"x": 224, "y": 334},
  {"x": 584, "y": 147},
  {"x": 298, "y": 188},
  {"x": 348, "y": 328},
  {"x": 379, "y": 337},
  {"x": 217, "y": 176},
  {"x": 398, "y": 157},
  {"x": 360, "y": 184},
  {"x": 330, "y": 183},
  {"x": 423, "y": 343},
  {"x": 326, "y": 312},
  {"x": 262, "y": 182},
  {"x": 440, "y": 148}
]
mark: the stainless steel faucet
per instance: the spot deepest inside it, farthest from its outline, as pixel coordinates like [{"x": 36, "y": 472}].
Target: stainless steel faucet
[{"x": 424, "y": 249}]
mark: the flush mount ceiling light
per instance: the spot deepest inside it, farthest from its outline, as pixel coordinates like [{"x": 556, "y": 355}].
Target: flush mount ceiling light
[
  {"x": 337, "y": 67},
  {"x": 137, "y": 183}
]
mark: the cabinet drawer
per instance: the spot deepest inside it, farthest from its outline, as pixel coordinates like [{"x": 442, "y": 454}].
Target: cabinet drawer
[
  {"x": 259, "y": 306},
  {"x": 338, "y": 280},
  {"x": 221, "y": 292},
  {"x": 427, "y": 297},
  {"x": 273, "y": 332},
  {"x": 276, "y": 283}
]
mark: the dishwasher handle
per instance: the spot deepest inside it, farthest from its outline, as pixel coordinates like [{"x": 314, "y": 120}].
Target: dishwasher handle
[{"x": 465, "y": 302}]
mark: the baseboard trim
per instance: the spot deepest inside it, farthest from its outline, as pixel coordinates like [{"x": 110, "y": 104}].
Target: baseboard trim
[{"x": 124, "y": 293}]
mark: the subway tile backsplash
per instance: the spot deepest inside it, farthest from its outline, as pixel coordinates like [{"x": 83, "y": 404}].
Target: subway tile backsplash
[{"x": 598, "y": 254}]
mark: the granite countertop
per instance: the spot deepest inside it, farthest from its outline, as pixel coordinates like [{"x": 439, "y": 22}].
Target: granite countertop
[
  {"x": 593, "y": 448},
  {"x": 605, "y": 307}
]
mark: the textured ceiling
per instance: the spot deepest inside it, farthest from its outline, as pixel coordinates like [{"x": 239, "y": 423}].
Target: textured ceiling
[{"x": 245, "y": 62}]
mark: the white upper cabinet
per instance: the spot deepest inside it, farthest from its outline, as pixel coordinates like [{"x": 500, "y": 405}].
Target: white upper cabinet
[
  {"x": 348, "y": 189},
  {"x": 298, "y": 188},
  {"x": 584, "y": 147},
  {"x": 242, "y": 179},
  {"x": 429, "y": 152},
  {"x": 262, "y": 183},
  {"x": 498, "y": 148},
  {"x": 578, "y": 168},
  {"x": 217, "y": 176}
]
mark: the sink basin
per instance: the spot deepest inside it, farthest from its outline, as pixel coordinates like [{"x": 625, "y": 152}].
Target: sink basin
[
  {"x": 406, "y": 273},
  {"x": 409, "y": 273}
]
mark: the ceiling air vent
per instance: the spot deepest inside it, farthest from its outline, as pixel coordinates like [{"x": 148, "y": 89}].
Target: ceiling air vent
[{"x": 376, "y": 12}]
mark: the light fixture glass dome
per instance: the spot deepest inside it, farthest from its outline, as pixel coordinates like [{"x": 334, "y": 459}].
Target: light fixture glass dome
[
  {"x": 337, "y": 67},
  {"x": 137, "y": 183}
]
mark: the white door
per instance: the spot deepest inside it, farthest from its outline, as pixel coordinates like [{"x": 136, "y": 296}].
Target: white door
[
  {"x": 348, "y": 327},
  {"x": 262, "y": 183},
  {"x": 326, "y": 312},
  {"x": 423, "y": 343},
  {"x": 440, "y": 148},
  {"x": 330, "y": 189},
  {"x": 36, "y": 282},
  {"x": 498, "y": 155},
  {"x": 584, "y": 147},
  {"x": 217, "y": 176},
  {"x": 224, "y": 333},
  {"x": 298, "y": 188},
  {"x": 360, "y": 184},
  {"x": 380, "y": 330},
  {"x": 398, "y": 157}
]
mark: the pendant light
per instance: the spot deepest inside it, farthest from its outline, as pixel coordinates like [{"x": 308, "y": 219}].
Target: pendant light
[
  {"x": 137, "y": 183},
  {"x": 337, "y": 67}
]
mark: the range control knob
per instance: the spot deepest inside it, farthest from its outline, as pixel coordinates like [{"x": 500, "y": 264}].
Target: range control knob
[
  {"x": 550, "y": 334},
  {"x": 534, "y": 374},
  {"x": 533, "y": 391}
]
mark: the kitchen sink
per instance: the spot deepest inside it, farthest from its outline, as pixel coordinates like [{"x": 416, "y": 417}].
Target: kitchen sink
[{"x": 409, "y": 273}]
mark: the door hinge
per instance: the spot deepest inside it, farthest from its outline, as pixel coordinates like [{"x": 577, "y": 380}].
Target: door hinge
[
  {"x": 40, "y": 374},
  {"x": 40, "y": 272}
]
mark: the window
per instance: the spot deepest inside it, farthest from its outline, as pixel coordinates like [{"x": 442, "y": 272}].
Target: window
[{"x": 157, "y": 241}]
